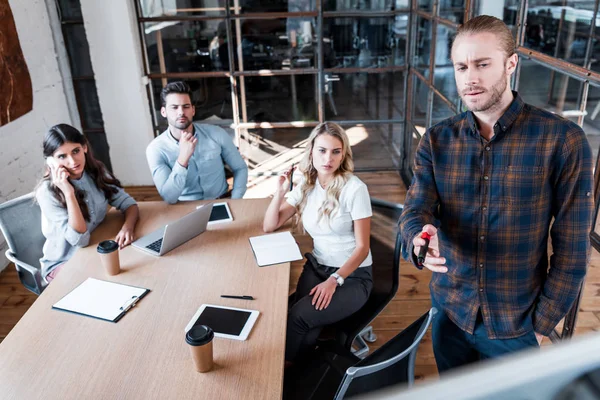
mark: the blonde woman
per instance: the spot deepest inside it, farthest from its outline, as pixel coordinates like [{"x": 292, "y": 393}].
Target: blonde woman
[{"x": 335, "y": 209}]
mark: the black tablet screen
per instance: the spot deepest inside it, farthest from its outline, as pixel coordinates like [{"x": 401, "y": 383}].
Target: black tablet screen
[
  {"x": 222, "y": 320},
  {"x": 218, "y": 213}
]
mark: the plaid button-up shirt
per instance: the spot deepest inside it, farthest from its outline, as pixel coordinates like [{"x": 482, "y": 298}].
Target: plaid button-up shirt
[{"x": 494, "y": 203}]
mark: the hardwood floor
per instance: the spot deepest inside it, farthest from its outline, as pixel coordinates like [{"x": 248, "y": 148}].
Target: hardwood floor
[{"x": 411, "y": 301}]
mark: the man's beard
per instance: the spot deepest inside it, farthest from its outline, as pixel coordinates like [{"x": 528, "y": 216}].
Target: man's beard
[
  {"x": 497, "y": 90},
  {"x": 181, "y": 125}
]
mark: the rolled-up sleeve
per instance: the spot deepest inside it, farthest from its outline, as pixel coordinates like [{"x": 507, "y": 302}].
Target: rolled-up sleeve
[
  {"x": 58, "y": 218},
  {"x": 573, "y": 213},
  {"x": 121, "y": 200}
]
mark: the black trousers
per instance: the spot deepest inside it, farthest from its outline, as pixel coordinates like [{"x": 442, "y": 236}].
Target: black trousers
[{"x": 305, "y": 323}]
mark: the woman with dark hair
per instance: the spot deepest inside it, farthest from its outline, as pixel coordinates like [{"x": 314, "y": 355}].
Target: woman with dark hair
[{"x": 74, "y": 196}]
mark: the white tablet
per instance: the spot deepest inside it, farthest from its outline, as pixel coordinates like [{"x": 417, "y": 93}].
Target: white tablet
[
  {"x": 220, "y": 213},
  {"x": 226, "y": 322}
]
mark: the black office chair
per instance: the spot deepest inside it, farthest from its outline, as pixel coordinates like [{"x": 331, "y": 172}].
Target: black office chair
[
  {"x": 386, "y": 278},
  {"x": 21, "y": 225},
  {"x": 386, "y": 271},
  {"x": 337, "y": 373},
  {"x": 391, "y": 364}
]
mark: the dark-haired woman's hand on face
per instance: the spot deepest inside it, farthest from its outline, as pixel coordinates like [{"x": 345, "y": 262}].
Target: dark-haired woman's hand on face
[{"x": 60, "y": 179}]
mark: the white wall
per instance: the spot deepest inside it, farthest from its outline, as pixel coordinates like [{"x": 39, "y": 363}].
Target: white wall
[
  {"x": 21, "y": 140},
  {"x": 115, "y": 51}
]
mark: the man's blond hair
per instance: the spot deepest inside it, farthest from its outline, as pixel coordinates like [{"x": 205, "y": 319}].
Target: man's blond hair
[{"x": 489, "y": 24}]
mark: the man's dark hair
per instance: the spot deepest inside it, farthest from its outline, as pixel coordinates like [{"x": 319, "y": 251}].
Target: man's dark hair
[{"x": 174, "y": 87}]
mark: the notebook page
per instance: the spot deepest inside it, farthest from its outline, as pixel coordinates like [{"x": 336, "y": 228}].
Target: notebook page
[
  {"x": 275, "y": 248},
  {"x": 100, "y": 299},
  {"x": 273, "y": 239}
]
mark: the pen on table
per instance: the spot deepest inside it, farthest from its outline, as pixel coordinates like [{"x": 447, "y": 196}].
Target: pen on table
[
  {"x": 423, "y": 251},
  {"x": 291, "y": 177},
  {"x": 228, "y": 296}
]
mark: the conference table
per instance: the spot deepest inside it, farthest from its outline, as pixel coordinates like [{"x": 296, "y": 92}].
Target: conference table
[{"x": 53, "y": 354}]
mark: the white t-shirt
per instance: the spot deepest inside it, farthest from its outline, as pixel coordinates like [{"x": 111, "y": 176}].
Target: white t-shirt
[{"x": 334, "y": 240}]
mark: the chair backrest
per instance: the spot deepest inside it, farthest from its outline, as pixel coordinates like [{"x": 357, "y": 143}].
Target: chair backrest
[
  {"x": 391, "y": 364},
  {"x": 386, "y": 268},
  {"x": 21, "y": 225}
]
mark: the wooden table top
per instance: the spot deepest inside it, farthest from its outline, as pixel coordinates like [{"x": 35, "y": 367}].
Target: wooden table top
[{"x": 58, "y": 355}]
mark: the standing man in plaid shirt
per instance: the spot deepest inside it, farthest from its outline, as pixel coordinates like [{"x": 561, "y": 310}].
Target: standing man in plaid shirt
[{"x": 489, "y": 185}]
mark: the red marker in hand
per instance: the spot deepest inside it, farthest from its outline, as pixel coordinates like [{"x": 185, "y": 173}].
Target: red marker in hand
[{"x": 423, "y": 251}]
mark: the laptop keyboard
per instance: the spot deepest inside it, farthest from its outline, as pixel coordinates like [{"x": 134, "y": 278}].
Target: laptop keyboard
[{"x": 155, "y": 246}]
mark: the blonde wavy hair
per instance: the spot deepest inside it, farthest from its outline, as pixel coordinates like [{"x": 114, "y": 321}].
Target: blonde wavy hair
[{"x": 341, "y": 175}]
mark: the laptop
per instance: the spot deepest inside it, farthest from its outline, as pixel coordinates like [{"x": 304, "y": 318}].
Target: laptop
[{"x": 172, "y": 235}]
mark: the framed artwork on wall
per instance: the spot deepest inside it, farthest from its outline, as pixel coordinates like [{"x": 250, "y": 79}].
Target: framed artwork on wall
[{"x": 16, "y": 93}]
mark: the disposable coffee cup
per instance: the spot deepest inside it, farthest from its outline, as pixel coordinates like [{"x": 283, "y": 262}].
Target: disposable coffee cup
[
  {"x": 109, "y": 256},
  {"x": 201, "y": 346}
]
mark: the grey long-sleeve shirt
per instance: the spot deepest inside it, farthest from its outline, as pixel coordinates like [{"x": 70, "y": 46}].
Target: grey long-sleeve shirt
[
  {"x": 61, "y": 239},
  {"x": 204, "y": 178}
]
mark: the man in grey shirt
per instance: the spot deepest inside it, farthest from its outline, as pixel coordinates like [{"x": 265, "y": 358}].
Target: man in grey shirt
[{"x": 186, "y": 160}]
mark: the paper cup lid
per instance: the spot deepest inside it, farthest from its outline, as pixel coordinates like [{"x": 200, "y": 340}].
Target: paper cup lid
[
  {"x": 199, "y": 335},
  {"x": 107, "y": 246}
]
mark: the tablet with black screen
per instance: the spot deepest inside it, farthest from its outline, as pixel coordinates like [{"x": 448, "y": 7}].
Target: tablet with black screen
[
  {"x": 226, "y": 322},
  {"x": 220, "y": 213}
]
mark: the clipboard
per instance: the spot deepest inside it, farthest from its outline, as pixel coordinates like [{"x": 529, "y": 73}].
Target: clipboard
[{"x": 100, "y": 299}]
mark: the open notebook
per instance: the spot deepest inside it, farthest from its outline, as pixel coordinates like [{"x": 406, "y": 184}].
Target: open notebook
[
  {"x": 101, "y": 299},
  {"x": 275, "y": 248}
]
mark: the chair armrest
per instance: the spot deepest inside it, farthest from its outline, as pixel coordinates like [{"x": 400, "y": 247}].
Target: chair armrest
[
  {"x": 29, "y": 268},
  {"x": 39, "y": 284}
]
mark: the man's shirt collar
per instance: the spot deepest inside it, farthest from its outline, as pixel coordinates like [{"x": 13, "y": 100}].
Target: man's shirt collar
[{"x": 506, "y": 120}]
